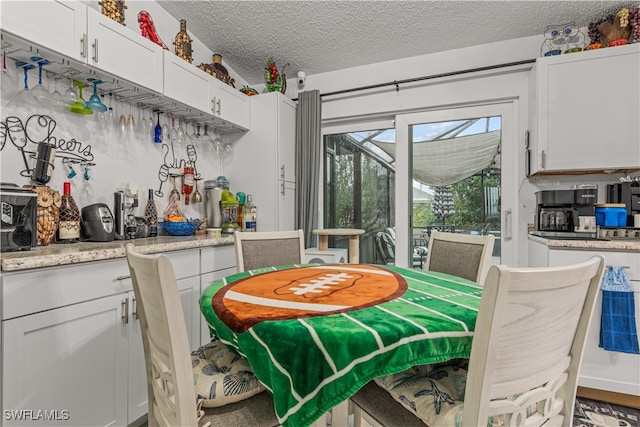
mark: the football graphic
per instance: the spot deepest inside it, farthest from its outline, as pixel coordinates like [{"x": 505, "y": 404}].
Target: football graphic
[{"x": 305, "y": 292}]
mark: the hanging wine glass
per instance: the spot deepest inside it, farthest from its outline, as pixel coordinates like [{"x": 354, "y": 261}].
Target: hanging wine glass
[
  {"x": 39, "y": 91},
  {"x": 71, "y": 94},
  {"x": 157, "y": 136},
  {"x": 174, "y": 191},
  {"x": 23, "y": 99},
  {"x": 78, "y": 106},
  {"x": 57, "y": 101},
  {"x": 86, "y": 194},
  {"x": 10, "y": 80},
  {"x": 94, "y": 103},
  {"x": 142, "y": 122},
  {"x": 131, "y": 123}
]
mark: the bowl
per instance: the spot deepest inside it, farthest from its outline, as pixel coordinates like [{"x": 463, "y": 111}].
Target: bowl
[{"x": 180, "y": 228}]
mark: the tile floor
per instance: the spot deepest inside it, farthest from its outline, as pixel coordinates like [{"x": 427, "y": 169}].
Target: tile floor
[{"x": 590, "y": 413}]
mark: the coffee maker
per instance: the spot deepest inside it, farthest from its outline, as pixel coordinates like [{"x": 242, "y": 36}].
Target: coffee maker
[{"x": 566, "y": 213}]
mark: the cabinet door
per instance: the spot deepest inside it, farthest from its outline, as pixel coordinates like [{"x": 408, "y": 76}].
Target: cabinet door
[
  {"x": 588, "y": 109},
  {"x": 186, "y": 83},
  {"x": 286, "y": 138},
  {"x": 69, "y": 359},
  {"x": 123, "y": 52},
  {"x": 286, "y": 205},
  {"x": 229, "y": 104},
  {"x": 189, "y": 295},
  {"x": 138, "y": 395},
  {"x": 59, "y": 26}
]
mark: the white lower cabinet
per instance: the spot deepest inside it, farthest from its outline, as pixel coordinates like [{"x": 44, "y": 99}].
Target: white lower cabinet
[
  {"x": 71, "y": 341},
  {"x": 601, "y": 369},
  {"x": 72, "y": 360},
  {"x": 215, "y": 263}
]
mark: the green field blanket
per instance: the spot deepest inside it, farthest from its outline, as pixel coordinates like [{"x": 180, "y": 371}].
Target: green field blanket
[{"x": 312, "y": 363}]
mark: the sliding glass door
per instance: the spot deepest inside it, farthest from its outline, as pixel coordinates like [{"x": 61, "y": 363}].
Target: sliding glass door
[{"x": 454, "y": 174}]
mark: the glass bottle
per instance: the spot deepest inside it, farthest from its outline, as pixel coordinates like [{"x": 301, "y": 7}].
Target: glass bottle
[
  {"x": 151, "y": 215},
  {"x": 157, "y": 132},
  {"x": 249, "y": 215},
  {"x": 68, "y": 218},
  {"x": 187, "y": 184},
  {"x": 183, "y": 43}
]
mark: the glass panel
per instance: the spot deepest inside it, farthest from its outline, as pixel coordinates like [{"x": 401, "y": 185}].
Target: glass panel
[
  {"x": 456, "y": 179},
  {"x": 359, "y": 187}
]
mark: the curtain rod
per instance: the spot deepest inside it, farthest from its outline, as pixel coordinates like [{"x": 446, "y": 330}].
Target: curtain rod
[{"x": 397, "y": 83}]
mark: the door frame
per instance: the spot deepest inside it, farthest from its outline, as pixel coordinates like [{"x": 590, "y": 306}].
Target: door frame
[{"x": 507, "y": 109}]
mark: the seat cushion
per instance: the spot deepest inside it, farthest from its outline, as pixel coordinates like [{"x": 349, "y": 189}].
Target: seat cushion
[
  {"x": 434, "y": 393},
  {"x": 221, "y": 376}
]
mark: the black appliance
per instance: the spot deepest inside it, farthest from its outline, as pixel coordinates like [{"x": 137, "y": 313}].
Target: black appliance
[
  {"x": 97, "y": 223},
  {"x": 558, "y": 212},
  {"x": 19, "y": 218},
  {"x": 627, "y": 193}
]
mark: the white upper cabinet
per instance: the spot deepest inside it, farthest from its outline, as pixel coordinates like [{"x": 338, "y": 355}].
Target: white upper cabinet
[
  {"x": 122, "y": 52},
  {"x": 83, "y": 34},
  {"x": 229, "y": 104},
  {"x": 585, "y": 110},
  {"x": 60, "y": 26},
  {"x": 186, "y": 83}
]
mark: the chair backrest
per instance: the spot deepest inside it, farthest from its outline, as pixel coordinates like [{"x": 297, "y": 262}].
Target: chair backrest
[
  {"x": 463, "y": 255},
  {"x": 172, "y": 397},
  {"x": 268, "y": 248},
  {"x": 529, "y": 338},
  {"x": 385, "y": 245}
]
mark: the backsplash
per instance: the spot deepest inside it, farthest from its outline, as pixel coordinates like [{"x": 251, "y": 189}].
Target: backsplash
[{"x": 99, "y": 158}]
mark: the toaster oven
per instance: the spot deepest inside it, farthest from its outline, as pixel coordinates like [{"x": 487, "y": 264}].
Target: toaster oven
[{"x": 19, "y": 218}]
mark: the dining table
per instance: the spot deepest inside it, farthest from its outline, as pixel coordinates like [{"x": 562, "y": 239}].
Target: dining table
[{"x": 315, "y": 334}]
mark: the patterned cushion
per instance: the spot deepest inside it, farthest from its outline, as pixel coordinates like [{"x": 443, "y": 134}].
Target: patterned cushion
[
  {"x": 221, "y": 377},
  {"x": 434, "y": 392}
]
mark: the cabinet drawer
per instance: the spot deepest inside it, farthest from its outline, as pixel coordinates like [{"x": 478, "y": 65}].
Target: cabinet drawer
[
  {"x": 185, "y": 263},
  {"x": 214, "y": 259},
  {"x": 629, "y": 260},
  {"x": 43, "y": 289}
]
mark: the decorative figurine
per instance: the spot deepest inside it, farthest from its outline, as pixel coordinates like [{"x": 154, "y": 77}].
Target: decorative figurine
[
  {"x": 217, "y": 70},
  {"x": 113, "y": 9},
  {"x": 275, "y": 81},
  {"x": 249, "y": 91},
  {"x": 565, "y": 38},
  {"x": 148, "y": 29},
  {"x": 183, "y": 43}
]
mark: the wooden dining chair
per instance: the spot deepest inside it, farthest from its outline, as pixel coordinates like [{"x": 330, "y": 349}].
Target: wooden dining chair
[
  {"x": 525, "y": 357},
  {"x": 268, "y": 248},
  {"x": 170, "y": 372},
  {"x": 463, "y": 255}
]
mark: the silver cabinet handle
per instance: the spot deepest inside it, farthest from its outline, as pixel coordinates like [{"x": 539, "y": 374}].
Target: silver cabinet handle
[
  {"x": 125, "y": 311},
  {"x": 95, "y": 50},
  {"x": 123, "y": 277},
  {"x": 282, "y": 171},
  {"x": 83, "y": 42},
  {"x": 219, "y": 103},
  {"x": 508, "y": 220},
  {"x": 282, "y": 187},
  {"x": 213, "y": 105},
  {"x": 543, "y": 159},
  {"x": 134, "y": 309}
]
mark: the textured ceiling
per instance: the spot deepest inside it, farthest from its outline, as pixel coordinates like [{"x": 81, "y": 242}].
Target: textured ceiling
[{"x": 321, "y": 36}]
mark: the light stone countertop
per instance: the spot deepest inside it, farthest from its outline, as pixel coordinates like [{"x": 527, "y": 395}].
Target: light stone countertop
[
  {"x": 620, "y": 245},
  {"x": 62, "y": 254}
]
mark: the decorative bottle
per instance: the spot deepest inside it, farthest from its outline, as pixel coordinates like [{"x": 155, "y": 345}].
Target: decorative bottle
[
  {"x": 68, "y": 218},
  {"x": 187, "y": 185},
  {"x": 249, "y": 215},
  {"x": 183, "y": 43},
  {"x": 151, "y": 215}
]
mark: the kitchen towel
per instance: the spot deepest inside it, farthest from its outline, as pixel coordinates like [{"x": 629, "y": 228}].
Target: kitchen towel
[{"x": 618, "y": 323}]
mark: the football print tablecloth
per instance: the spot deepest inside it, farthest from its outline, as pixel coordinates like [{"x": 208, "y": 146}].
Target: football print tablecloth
[{"x": 315, "y": 334}]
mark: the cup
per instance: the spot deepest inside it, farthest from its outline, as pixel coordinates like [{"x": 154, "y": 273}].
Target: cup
[
  {"x": 215, "y": 233},
  {"x": 636, "y": 221}
]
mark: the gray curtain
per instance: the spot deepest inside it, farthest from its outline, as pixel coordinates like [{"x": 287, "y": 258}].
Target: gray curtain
[{"x": 308, "y": 161}]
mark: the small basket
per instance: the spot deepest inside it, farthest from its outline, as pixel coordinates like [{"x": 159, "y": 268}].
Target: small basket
[{"x": 180, "y": 228}]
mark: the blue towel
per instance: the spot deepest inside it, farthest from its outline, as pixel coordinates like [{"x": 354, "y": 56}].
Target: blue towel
[{"x": 618, "y": 322}]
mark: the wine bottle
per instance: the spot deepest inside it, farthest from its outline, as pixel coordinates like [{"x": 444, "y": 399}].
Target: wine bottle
[
  {"x": 43, "y": 168},
  {"x": 249, "y": 215},
  {"x": 151, "y": 215},
  {"x": 68, "y": 218}
]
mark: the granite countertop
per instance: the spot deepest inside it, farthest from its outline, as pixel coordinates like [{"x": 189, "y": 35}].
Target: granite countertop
[
  {"x": 61, "y": 254},
  {"x": 620, "y": 245}
]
